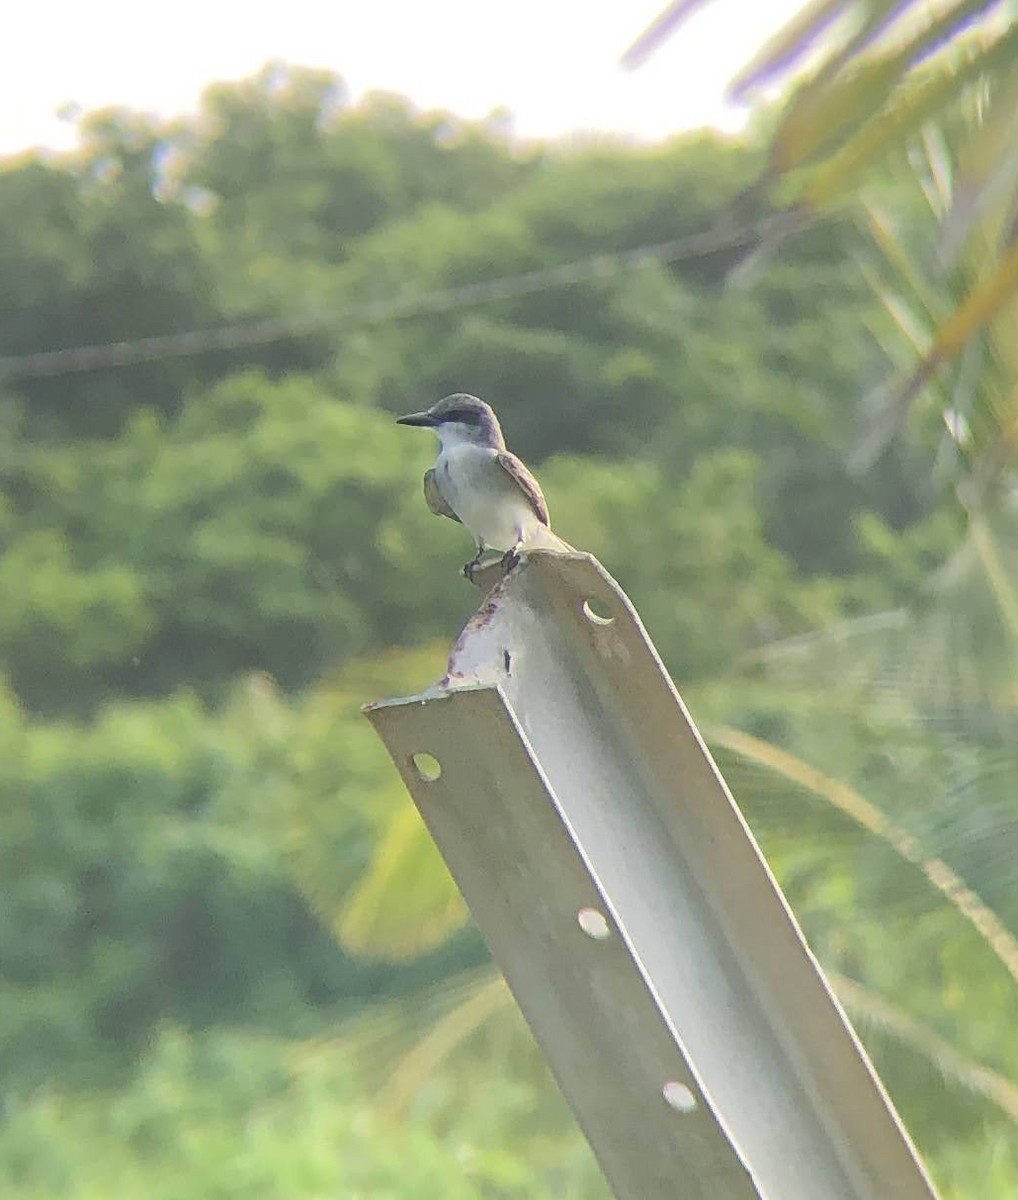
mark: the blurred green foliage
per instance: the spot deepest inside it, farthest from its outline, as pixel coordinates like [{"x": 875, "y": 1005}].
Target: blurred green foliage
[
  {"x": 209, "y": 561},
  {"x": 233, "y": 1115}
]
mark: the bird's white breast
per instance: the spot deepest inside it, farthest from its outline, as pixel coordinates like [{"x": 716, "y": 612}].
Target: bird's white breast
[{"x": 483, "y": 495}]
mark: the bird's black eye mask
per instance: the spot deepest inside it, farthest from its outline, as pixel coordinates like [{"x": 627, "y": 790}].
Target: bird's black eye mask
[{"x": 464, "y": 416}]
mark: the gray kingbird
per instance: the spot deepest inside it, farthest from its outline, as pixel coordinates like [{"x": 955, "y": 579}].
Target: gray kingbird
[{"x": 479, "y": 483}]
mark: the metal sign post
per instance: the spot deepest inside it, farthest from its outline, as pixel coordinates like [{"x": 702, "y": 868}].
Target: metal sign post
[{"x": 632, "y": 914}]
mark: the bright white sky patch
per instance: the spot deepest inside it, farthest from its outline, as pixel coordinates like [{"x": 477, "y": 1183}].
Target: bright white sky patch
[{"x": 552, "y": 63}]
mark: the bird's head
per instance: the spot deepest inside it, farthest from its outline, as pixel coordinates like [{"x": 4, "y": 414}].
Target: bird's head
[{"x": 459, "y": 418}]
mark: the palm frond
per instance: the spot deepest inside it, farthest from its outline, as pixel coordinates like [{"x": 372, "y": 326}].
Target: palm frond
[
  {"x": 868, "y": 1007},
  {"x": 384, "y": 1035},
  {"x": 489, "y": 998},
  {"x": 878, "y": 81},
  {"x": 406, "y": 902},
  {"x": 852, "y": 804},
  {"x": 920, "y": 102}
]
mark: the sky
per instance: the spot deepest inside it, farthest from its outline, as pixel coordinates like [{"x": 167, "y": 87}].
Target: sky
[{"x": 552, "y": 63}]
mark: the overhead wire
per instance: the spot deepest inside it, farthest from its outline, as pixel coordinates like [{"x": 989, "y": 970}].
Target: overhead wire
[{"x": 68, "y": 360}]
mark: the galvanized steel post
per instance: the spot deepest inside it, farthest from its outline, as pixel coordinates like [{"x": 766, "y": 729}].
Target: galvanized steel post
[{"x": 626, "y": 902}]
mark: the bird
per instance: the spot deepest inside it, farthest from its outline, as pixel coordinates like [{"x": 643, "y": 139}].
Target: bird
[{"x": 481, "y": 484}]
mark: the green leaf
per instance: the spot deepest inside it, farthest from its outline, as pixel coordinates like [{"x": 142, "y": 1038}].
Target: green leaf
[
  {"x": 922, "y": 100},
  {"x": 663, "y": 25},
  {"x": 828, "y": 110},
  {"x": 865, "y": 1005},
  {"x": 406, "y": 902},
  {"x": 847, "y": 800},
  {"x": 799, "y": 36},
  {"x": 821, "y": 117},
  {"x": 979, "y": 307}
]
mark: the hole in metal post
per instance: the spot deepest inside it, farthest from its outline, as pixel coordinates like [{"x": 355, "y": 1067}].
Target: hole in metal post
[
  {"x": 679, "y": 1096},
  {"x": 596, "y": 612},
  {"x": 593, "y": 924},
  {"x": 426, "y": 766}
]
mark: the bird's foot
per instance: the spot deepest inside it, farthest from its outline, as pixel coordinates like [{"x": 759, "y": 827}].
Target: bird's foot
[
  {"x": 470, "y": 567},
  {"x": 511, "y": 558}
]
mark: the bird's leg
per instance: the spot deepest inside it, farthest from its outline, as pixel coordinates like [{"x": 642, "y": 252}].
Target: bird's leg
[
  {"x": 511, "y": 558},
  {"x": 470, "y": 567}
]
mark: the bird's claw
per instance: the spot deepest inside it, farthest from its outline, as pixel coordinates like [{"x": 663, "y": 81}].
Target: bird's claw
[{"x": 508, "y": 561}]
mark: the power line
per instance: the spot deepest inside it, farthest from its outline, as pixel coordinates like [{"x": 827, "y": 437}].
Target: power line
[{"x": 274, "y": 329}]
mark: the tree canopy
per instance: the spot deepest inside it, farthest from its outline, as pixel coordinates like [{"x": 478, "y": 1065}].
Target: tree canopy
[{"x": 213, "y": 548}]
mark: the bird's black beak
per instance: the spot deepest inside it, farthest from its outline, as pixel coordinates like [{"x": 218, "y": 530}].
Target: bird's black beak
[{"x": 424, "y": 419}]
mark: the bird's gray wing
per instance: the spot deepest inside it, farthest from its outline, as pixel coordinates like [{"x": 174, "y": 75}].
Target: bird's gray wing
[
  {"x": 527, "y": 484},
  {"x": 434, "y": 498}
]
